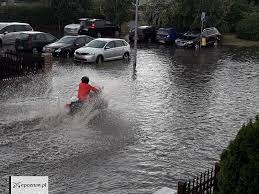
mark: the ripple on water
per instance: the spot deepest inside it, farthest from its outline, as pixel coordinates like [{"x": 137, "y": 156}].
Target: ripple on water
[{"x": 169, "y": 123}]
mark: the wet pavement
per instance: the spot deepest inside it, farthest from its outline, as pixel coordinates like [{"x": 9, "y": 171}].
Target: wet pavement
[{"x": 168, "y": 123}]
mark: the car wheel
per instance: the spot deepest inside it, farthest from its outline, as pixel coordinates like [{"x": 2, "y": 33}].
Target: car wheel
[
  {"x": 99, "y": 60},
  {"x": 126, "y": 56},
  {"x": 99, "y": 35}
]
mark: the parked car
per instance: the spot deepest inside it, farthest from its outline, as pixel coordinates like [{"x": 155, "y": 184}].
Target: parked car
[
  {"x": 103, "y": 49},
  {"x": 33, "y": 41},
  {"x": 166, "y": 35},
  {"x": 145, "y": 34},
  {"x": 97, "y": 28},
  {"x": 67, "y": 45},
  {"x": 71, "y": 29},
  {"x": 10, "y": 30},
  {"x": 189, "y": 39},
  {"x": 211, "y": 36}
]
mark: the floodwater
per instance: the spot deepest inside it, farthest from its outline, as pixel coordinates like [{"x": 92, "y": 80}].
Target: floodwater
[{"x": 167, "y": 123}]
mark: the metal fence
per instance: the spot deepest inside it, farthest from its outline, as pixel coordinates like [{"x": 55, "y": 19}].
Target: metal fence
[
  {"x": 19, "y": 64},
  {"x": 205, "y": 183}
]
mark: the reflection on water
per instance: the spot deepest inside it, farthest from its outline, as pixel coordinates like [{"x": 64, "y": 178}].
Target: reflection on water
[{"x": 168, "y": 122}]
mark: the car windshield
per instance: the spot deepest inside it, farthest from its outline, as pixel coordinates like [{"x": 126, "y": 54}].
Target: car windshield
[
  {"x": 96, "y": 44},
  {"x": 191, "y": 35},
  {"x": 2, "y": 26},
  {"x": 67, "y": 40},
  {"x": 163, "y": 32}
]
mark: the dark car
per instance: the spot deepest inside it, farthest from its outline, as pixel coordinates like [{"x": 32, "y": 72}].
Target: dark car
[
  {"x": 145, "y": 34},
  {"x": 210, "y": 36},
  {"x": 188, "y": 39},
  {"x": 97, "y": 28},
  {"x": 67, "y": 45},
  {"x": 33, "y": 41},
  {"x": 166, "y": 35}
]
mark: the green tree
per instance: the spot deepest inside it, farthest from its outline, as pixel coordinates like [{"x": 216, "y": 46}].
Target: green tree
[
  {"x": 248, "y": 28},
  {"x": 239, "y": 163},
  {"x": 118, "y": 11},
  {"x": 66, "y": 10}
]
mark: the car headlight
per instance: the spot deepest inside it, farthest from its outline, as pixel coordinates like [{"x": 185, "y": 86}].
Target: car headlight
[
  {"x": 189, "y": 42},
  {"x": 58, "y": 50}
]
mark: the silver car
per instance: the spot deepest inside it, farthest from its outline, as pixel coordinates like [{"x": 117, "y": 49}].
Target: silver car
[
  {"x": 103, "y": 49},
  {"x": 10, "y": 30},
  {"x": 71, "y": 29}
]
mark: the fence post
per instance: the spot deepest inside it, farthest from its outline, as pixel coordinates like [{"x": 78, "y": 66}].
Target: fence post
[
  {"x": 216, "y": 173},
  {"x": 47, "y": 61},
  {"x": 181, "y": 188}
]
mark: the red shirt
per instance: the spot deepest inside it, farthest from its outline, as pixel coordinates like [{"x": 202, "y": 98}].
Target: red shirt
[{"x": 83, "y": 91}]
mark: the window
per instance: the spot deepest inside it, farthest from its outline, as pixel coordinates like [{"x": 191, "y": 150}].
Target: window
[
  {"x": 39, "y": 37},
  {"x": 50, "y": 38},
  {"x": 19, "y": 28},
  {"x": 119, "y": 43},
  {"x": 80, "y": 41},
  {"x": 88, "y": 39},
  {"x": 9, "y": 29},
  {"x": 111, "y": 44},
  {"x": 28, "y": 28},
  {"x": 125, "y": 43}
]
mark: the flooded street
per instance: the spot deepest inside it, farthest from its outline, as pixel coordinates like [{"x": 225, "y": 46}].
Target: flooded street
[{"x": 168, "y": 123}]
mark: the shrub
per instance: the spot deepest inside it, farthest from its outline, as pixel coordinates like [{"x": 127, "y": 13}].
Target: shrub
[
  {"x": 239, "y": 163},
  {"x": 248, "y": 28}
]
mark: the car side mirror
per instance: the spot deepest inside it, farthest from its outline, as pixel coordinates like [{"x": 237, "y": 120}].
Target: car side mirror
[
  {"x": 6, "y": 32},
  {"x": 86, "y": 44},
  {"x": 107, "y": 47}
]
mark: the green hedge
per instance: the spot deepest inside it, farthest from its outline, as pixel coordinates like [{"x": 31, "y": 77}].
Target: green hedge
[
  {"x": 239, "y": 163},
  {"x": 248, "y": 28}
]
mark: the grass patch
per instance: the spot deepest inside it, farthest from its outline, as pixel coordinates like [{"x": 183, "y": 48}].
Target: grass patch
[{"x": 232, "y": 40}]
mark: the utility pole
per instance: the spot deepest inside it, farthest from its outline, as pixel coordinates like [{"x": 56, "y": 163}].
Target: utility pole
[{"x": 135, "y": 37}]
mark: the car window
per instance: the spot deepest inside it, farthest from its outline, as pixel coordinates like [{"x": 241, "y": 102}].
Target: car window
[
  {"x": 80, "y": 41},
  {"x": 23, "y": 36},
  {"x": 163, "y": 32},
  {"x": 119, "y": 43},
  {"x": 88, "y": 39},
  {"x": 50, "y": 38},
  {"x": 27, "y": 28},
  {"x": 19, "y": 28},
  {"x": 9, "y": 29},
  {"x": 97, "y": 44},
  {"x": 39, "y": 37},
  {"x": 124, "y": 43},
  {"x": 111, "y": 44}
]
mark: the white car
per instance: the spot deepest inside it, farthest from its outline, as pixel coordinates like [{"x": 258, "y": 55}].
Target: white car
[
  {"x": 10, "y": 30},
  {"x": 71, "y": 29},
  {"x": 103, "y": 49}
]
